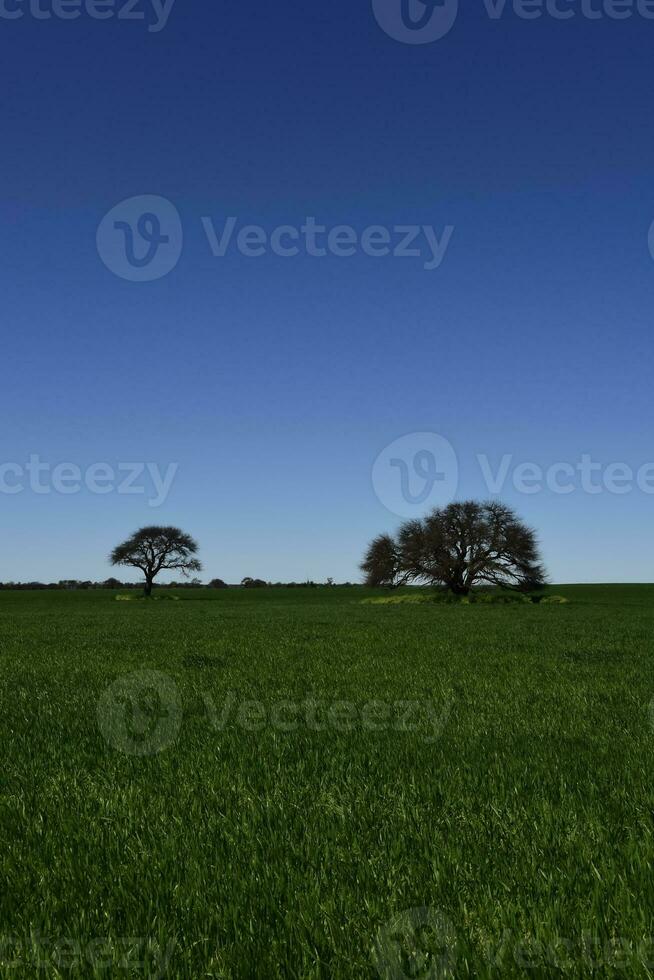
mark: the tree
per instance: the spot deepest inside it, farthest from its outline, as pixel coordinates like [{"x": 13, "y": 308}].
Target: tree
[
  {"x": 217, "y": 583},
  {"x": 156, "y": 549},
  {"x": 458, "y": 546}
]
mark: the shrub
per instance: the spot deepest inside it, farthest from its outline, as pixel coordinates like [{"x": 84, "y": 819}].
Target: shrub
[
  {"x": 499, "y": 598},
  {"x": 443, "y": 597},
  {"x": 395, "y": 600},
  {"x": 143, "y": 598}
]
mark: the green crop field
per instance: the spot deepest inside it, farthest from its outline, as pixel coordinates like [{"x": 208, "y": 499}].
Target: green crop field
[{"x": 297, "y": 783}]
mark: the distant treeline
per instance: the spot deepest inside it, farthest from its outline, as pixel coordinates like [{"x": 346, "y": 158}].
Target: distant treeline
[
  {"x": 258, "y": 583},
  {"x": 216, "y": 583}
]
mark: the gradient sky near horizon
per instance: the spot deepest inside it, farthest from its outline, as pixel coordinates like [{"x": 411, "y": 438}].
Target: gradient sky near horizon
[{"x": 275, "y": 382}]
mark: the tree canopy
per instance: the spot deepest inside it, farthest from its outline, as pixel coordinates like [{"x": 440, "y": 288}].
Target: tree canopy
[
  {"x": 458, "y": 546},
  {"x": 155, "y": 549}
]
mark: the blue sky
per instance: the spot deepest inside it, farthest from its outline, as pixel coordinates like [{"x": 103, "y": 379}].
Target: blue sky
[{"x": 273, "y": 383}]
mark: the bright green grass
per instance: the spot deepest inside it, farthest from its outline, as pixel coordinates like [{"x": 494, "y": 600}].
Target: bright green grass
[{"x": 252, "y": 851}]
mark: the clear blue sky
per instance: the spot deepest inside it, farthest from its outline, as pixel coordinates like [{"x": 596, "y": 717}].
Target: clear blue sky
[{"x": 275, "y": 382}]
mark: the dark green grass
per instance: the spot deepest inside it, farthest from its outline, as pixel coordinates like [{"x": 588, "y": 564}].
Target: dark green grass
[{"x": 516, "y": 803}]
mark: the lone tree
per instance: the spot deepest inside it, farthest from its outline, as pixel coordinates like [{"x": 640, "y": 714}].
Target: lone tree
[
  {"x": 458, "y": 546},
  {"x": 155, "y": 549}
]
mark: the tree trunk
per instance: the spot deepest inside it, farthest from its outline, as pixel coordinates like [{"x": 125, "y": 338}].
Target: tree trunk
[{"x": 147, "y": 592}]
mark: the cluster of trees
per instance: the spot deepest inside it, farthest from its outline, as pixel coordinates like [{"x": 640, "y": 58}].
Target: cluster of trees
[
  {"x": 152, "y": 550},
  {"x": 456, "y": 547},
  {"x": 155, "y": 549},
  {"x": 62, "y": 584},
  {"x": 194, "y": 583},
  {"x": 258, "y": 583},
  {"x": 109, "y": 583}
]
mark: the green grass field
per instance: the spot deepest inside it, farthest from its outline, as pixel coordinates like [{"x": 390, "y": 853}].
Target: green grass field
[{"x": 312, "y": 786}]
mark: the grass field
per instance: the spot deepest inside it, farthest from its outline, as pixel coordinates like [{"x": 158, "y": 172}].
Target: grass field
[{"x": 305, "y": 785}]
